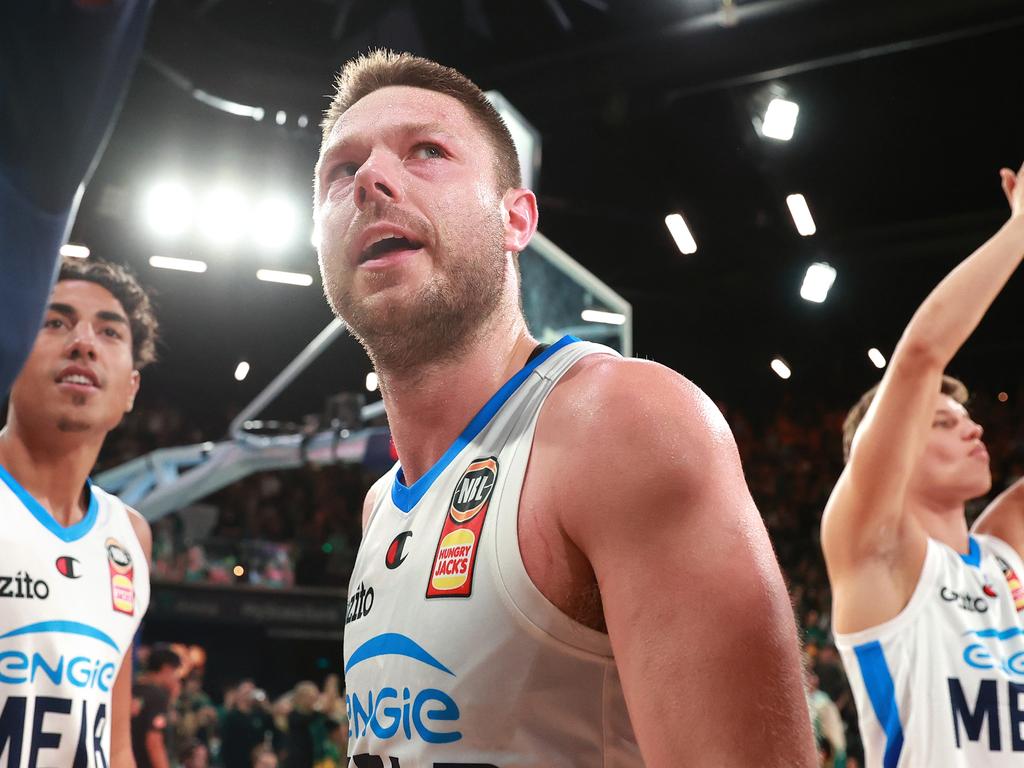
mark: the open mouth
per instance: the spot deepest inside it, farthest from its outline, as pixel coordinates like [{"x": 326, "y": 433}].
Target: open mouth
[
  {"x": 79, "y": 379},
  {"x": 388, "y": 246}
]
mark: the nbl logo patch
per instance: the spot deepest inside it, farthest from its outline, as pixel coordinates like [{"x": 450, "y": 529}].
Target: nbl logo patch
[
  {"x": 122, "y": 577},
  {"x": 451, "y": 574}
]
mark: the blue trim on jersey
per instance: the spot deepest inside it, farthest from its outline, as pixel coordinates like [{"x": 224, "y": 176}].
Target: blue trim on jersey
[
  {"x": 973, "y": 557},
  {"x": 393, "y": 644},
  {"x": 407, "y": 497},
  {"x": 65, "y": 627},
  {"x": 72, "y": 532},
  {"x": 1005, "y": 634},
  {"x": 878, "y": 682}
]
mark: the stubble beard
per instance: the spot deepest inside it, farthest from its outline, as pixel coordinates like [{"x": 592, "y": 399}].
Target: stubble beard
[{"x": 443, "y": 317}]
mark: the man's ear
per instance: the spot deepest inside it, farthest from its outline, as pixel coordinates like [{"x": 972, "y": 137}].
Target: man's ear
[{"x": 519, "y": 211}]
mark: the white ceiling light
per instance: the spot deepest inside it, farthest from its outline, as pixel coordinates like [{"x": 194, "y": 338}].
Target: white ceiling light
[
  {"x": 876, "y": 357},
  {"x": 182, "y": 265},
  {"x": 780, "y": 368},
  {"x": 74, "y": 251},
  {"x": 780, "y": 119},
  {"x": 681, "y": 233},
  {"x": 801, "y": 215},
  {"x": 241, "y": 371},
  {"x": 289, "y": 278},
  {"x": 371, "y": 382},
  {"x": 597, "y": 316},
  {"x": 274, "y": 223},
  {"x": 817, "y": 281},
  {"x": 168, "y": 208},
  {"x": 224, "y": 215}
]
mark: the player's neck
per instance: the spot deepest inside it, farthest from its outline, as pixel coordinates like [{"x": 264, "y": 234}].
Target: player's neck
[
  {"x": 53, "y": 471},
  {"x": 944, "y": 521},
  {"x": 429, "y": 407}
]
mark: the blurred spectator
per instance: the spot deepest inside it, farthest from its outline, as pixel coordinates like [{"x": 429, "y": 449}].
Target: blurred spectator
[
  {"x": 245, "y": 726},
  {"x": 306, "y": 728},
  {"x": 195, "y": 755},
  {"x": 264, "y": 757},
  {"x": 828, "y": 725},
  {"x": 152, "y": 697}
]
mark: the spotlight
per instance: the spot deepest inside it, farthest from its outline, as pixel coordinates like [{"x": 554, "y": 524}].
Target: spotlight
[
  {"x": 801, "y": 215},
  {"x": 241, "y": 371},
  {"x": 780, "y": 119},
  {"x": 876, "y": 357},
  {"x": 371, "y": 382},
  {"x": 681, "y": 233},
  {"x": 817, "y": 281},
  {"x": 780, "y": 368},
  {"x": 289, "y": 278},
  {"x": 274, "y": 222},
  {"x": 597, "y": 316},
  {"x": 1003, "y": 397},
  {"x": 281, "y": 117},
  {"x": 168, "y": 209},
  {"x": 74, "y": 251},
  {"x": 224, "y": 216},
  {"x": 182, "y": 265},
  {"x": 303, "y": 121},
  {"x": 239, "y": 571}
]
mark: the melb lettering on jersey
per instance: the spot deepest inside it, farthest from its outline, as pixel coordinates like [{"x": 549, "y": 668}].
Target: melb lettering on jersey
[
  {"x": 451, "y": 574},
  {"x": 395, "y": 709},
  {"x": 979, "y": 717},
  {"x": 32, "y": 722}
]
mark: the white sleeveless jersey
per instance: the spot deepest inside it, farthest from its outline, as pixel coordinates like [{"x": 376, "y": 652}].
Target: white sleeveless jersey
[
  {"x": 453, "y": 657},
  {"x": 71, "y": 600},
  {"x": 942, "y": 684}
]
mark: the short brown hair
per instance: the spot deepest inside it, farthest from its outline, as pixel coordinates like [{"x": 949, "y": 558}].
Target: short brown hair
[
  {"x": 133, "y": 297},
  {"x": 950, "y": 386},
  {"x": 382, "y": 68}
]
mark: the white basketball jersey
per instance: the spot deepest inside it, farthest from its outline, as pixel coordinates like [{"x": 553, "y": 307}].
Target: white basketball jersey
[
  {"x": 70, "y": 602},
  {"x": 942, "y": 684},
  {"x": 453, "y": 657}
]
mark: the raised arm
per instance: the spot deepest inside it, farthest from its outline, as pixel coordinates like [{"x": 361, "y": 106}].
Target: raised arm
[
  {"x": 695, "y": 605},
  {"x": 865, "y": 518},
  {"x": 64, "y": 68}
]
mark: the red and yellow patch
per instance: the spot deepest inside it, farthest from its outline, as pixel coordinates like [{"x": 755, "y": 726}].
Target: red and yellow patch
[
  {"x": 1016, "y": 588},
  {"x": 451, "y": 574},
  {"x": 122, "y": 577}
]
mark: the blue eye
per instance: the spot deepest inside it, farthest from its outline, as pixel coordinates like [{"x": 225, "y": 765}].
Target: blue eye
[{"x": 427, "y": 152}]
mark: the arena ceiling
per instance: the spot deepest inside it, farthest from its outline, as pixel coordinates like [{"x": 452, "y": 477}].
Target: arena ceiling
[{"x": 907, "y": 111}]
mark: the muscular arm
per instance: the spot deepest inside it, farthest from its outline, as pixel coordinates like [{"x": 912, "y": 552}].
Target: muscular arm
[
  {"x": 866, "y": 534},
  {"x": 695, "y": 605},
  {"x": 121, "y": 755},
  {"x": 63, "y": 70}
]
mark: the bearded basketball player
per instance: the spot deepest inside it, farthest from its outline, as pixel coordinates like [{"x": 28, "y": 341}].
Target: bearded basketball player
[
  {"x": 565, "y": 568},
  {"x": 74, "y": 576},
  {"x": 928, "y": 617}
]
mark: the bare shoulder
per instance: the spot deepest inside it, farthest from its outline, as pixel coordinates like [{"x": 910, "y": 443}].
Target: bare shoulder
[
  {"x": 142, "y": 531},
  {"x": 372, "y": 496},
  {"x": 637, "y": 402},
  {"x": 632, "y": 429}
]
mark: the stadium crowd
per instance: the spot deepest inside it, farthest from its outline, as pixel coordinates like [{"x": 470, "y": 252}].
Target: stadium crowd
[{"x": 301, "y": 528}]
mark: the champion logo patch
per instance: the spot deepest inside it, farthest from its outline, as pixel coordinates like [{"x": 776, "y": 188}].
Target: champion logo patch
[
  {"x": 396, "y": 551},
  {"x": 451, "y": 574},
  {"x": 68, "y": 567}
]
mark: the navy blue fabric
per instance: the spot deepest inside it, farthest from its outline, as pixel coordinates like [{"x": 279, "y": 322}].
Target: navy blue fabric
[{"x": 64, "y": 67}]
